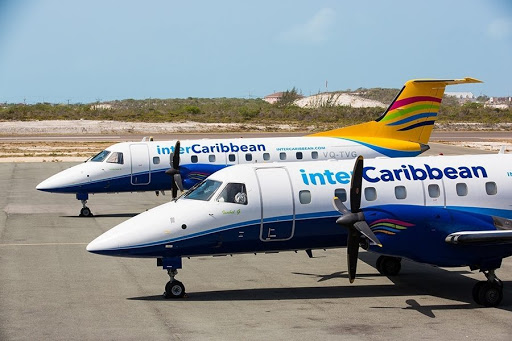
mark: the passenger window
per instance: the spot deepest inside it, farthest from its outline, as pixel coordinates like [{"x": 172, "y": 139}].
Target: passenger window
[
  {"x": 298, "y": 155},
  {"x": 341, "y": 194},
  {"x": 282, "y": 156},
  {"x": 314, "y": 155},
  {"x": 490, "y": 188},
  {"x": 462, "y": 189},
  {"x": 211, "y": 157},
  {"x": 248, "y": 157},
  {"x": 305, "y": 197},
  {"x": 266, "y": 156},
  {"x": 234, "y": 193},
  {"x": 434, "y": 191},
  {"x": 370, "y": 193},
  {"x": 400, "y": 192},
  {"x": 232, "y": 158},
  {"x": 193, "y": 159},
  {"x": 116, "y": 158},
  {"x": 156, "y": 160}
]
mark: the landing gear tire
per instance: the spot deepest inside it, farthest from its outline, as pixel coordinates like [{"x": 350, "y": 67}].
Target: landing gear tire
[
  {"x": 476, "y": 292},
  {"x": 490, "y": 294},
  {"x": 85, "y": 212},
  {"x": 174, "y": 289},
  {"x": 389, "y": 266}
]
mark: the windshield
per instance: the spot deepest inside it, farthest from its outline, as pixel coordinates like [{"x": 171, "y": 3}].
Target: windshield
[
  {"x": 204, "y": 191},
  {"x": 100, "y": 156}
]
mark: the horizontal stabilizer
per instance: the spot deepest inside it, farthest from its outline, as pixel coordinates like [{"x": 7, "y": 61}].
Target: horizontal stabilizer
[{"x": 480, "y": 237}]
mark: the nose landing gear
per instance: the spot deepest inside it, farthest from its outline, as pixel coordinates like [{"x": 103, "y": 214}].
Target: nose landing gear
[{"x": 174, "y": 288}]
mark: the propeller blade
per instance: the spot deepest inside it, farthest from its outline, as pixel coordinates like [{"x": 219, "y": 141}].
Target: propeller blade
[
  {"x": 364, "y": 229},
  {"x": 340, "y": 206},
  {"x": 177, "y": 181},
  {"x": 356, "y": 185},
  {"x": 352, "y": 253},
  {"x": 176, "y": 156},
  {"x": 174, "y": 189}
]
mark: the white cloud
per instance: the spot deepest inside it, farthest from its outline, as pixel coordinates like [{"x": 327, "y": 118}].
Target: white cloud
[
  {"x": 500, "y": 29},
  {"x": 315, "y": 30}
]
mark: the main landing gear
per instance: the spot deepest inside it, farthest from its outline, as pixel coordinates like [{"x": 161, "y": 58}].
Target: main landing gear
[
  {"x": 488, "y": 293},
  {"x": 174, "y": 288}
]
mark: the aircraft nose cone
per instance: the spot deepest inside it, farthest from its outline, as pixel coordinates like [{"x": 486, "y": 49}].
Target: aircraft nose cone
[{"x": 103, "y": 245}]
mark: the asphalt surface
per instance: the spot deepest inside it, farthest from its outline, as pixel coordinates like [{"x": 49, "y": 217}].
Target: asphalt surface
[{"x": 51, "y": 288}]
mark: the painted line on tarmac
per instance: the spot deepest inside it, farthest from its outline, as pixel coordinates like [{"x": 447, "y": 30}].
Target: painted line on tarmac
[{"x": 42, "y": 244}]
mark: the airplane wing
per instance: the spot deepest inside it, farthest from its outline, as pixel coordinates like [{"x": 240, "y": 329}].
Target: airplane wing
[
  {"x": 502, "y": 234},
  {"x": 480, "y": 237}
]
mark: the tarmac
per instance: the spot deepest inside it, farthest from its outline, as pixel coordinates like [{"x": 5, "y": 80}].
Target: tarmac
[{"x": 51, "y": 288}]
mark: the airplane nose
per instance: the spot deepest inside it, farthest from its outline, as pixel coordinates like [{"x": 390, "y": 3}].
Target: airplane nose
[{"x": 102, "y": 245}]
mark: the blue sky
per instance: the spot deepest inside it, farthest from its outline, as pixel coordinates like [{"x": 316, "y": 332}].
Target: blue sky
[{"x": 82, "y": 51}]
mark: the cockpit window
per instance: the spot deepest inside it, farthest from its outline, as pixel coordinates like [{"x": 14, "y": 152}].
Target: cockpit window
[
  {"x": 204, "y": 191},
  {"x": 116, "y": 157},
  {"x": 234, "y": 193},
  {"x": 100, "y": 156}
]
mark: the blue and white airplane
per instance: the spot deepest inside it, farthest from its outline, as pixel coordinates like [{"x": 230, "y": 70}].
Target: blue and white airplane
[
  {"x": 403, "y": 130},
  {"x": 448, "y": 211}
]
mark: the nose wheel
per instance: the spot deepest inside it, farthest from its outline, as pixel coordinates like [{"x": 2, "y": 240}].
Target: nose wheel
[
  {"x": 85, "y": 211},
  {"x": 174, "y": 288}
]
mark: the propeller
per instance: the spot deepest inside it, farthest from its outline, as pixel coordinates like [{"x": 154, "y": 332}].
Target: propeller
[
  {"x": 354, "y": 219},
  {"x": 174, "y": 171}
]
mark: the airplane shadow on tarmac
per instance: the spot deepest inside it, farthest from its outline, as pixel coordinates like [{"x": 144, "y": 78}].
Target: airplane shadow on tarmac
[{"x": 413, "y": 281}]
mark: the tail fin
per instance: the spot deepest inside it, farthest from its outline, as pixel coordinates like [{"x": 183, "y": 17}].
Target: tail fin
[{"x": 410, "y": 117}]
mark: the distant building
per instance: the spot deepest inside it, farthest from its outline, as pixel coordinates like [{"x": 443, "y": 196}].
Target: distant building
[
  {"x": 273, "y": 98},
  {"x": 499, "y": 102},
  {"x": 460, "y": 95},
  {"x": 101, "y": 106}
]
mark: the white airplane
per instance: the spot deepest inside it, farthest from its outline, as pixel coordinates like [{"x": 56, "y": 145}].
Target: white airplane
[
  {"x": 448, "y": 211},
  {"x": 403, "y": 130}
]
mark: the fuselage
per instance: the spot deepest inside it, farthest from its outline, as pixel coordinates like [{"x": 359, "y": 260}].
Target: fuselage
[
  {"x": 141, "y": 166},
  {"x": 411, "y": 204}
]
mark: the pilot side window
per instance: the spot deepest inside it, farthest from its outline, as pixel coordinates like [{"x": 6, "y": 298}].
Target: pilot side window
[
  {"x": 298, "y": 155},
  {"x": 462, "y": 189},
  {"x": 204, "y": 191},
  {"x": 100, "y": 156},
  {"x": 266, "y": 156},
  {"x": 248, "y": 157},
  {"x": 211, "y": 158},
  {"x": 234, "y": 193},
  {"x": 490, "y": 188},
  {"x": 193, "y": 159},
  {"x": 370, "y": 193},
  {"x": 434, "y": 191},
  {"x": 305, "y": 197},
  {"x": 341, "y": 194},
  {"x": 116, "y": 157},
  {"x": 314, "y": 155},
  {"x": 282, "y": 156},
  {"x": 400, "y": 192},
  {"x": 232, "y": 158}
]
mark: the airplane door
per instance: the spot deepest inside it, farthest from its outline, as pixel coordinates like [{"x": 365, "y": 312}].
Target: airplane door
[
  {"x": 141, "y": 174},
  {"x": 277, "y": 224}
]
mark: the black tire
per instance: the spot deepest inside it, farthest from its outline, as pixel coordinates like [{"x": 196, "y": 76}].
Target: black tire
[
  {"x": 390, "y": 266},
  {"x": 476, "y": 292},
  {"x": 490, "y": 294},
  {"x": 174, "y": 289},
  {"x": 378, "y": 266},
  {"x": 85, "y": 212}
]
